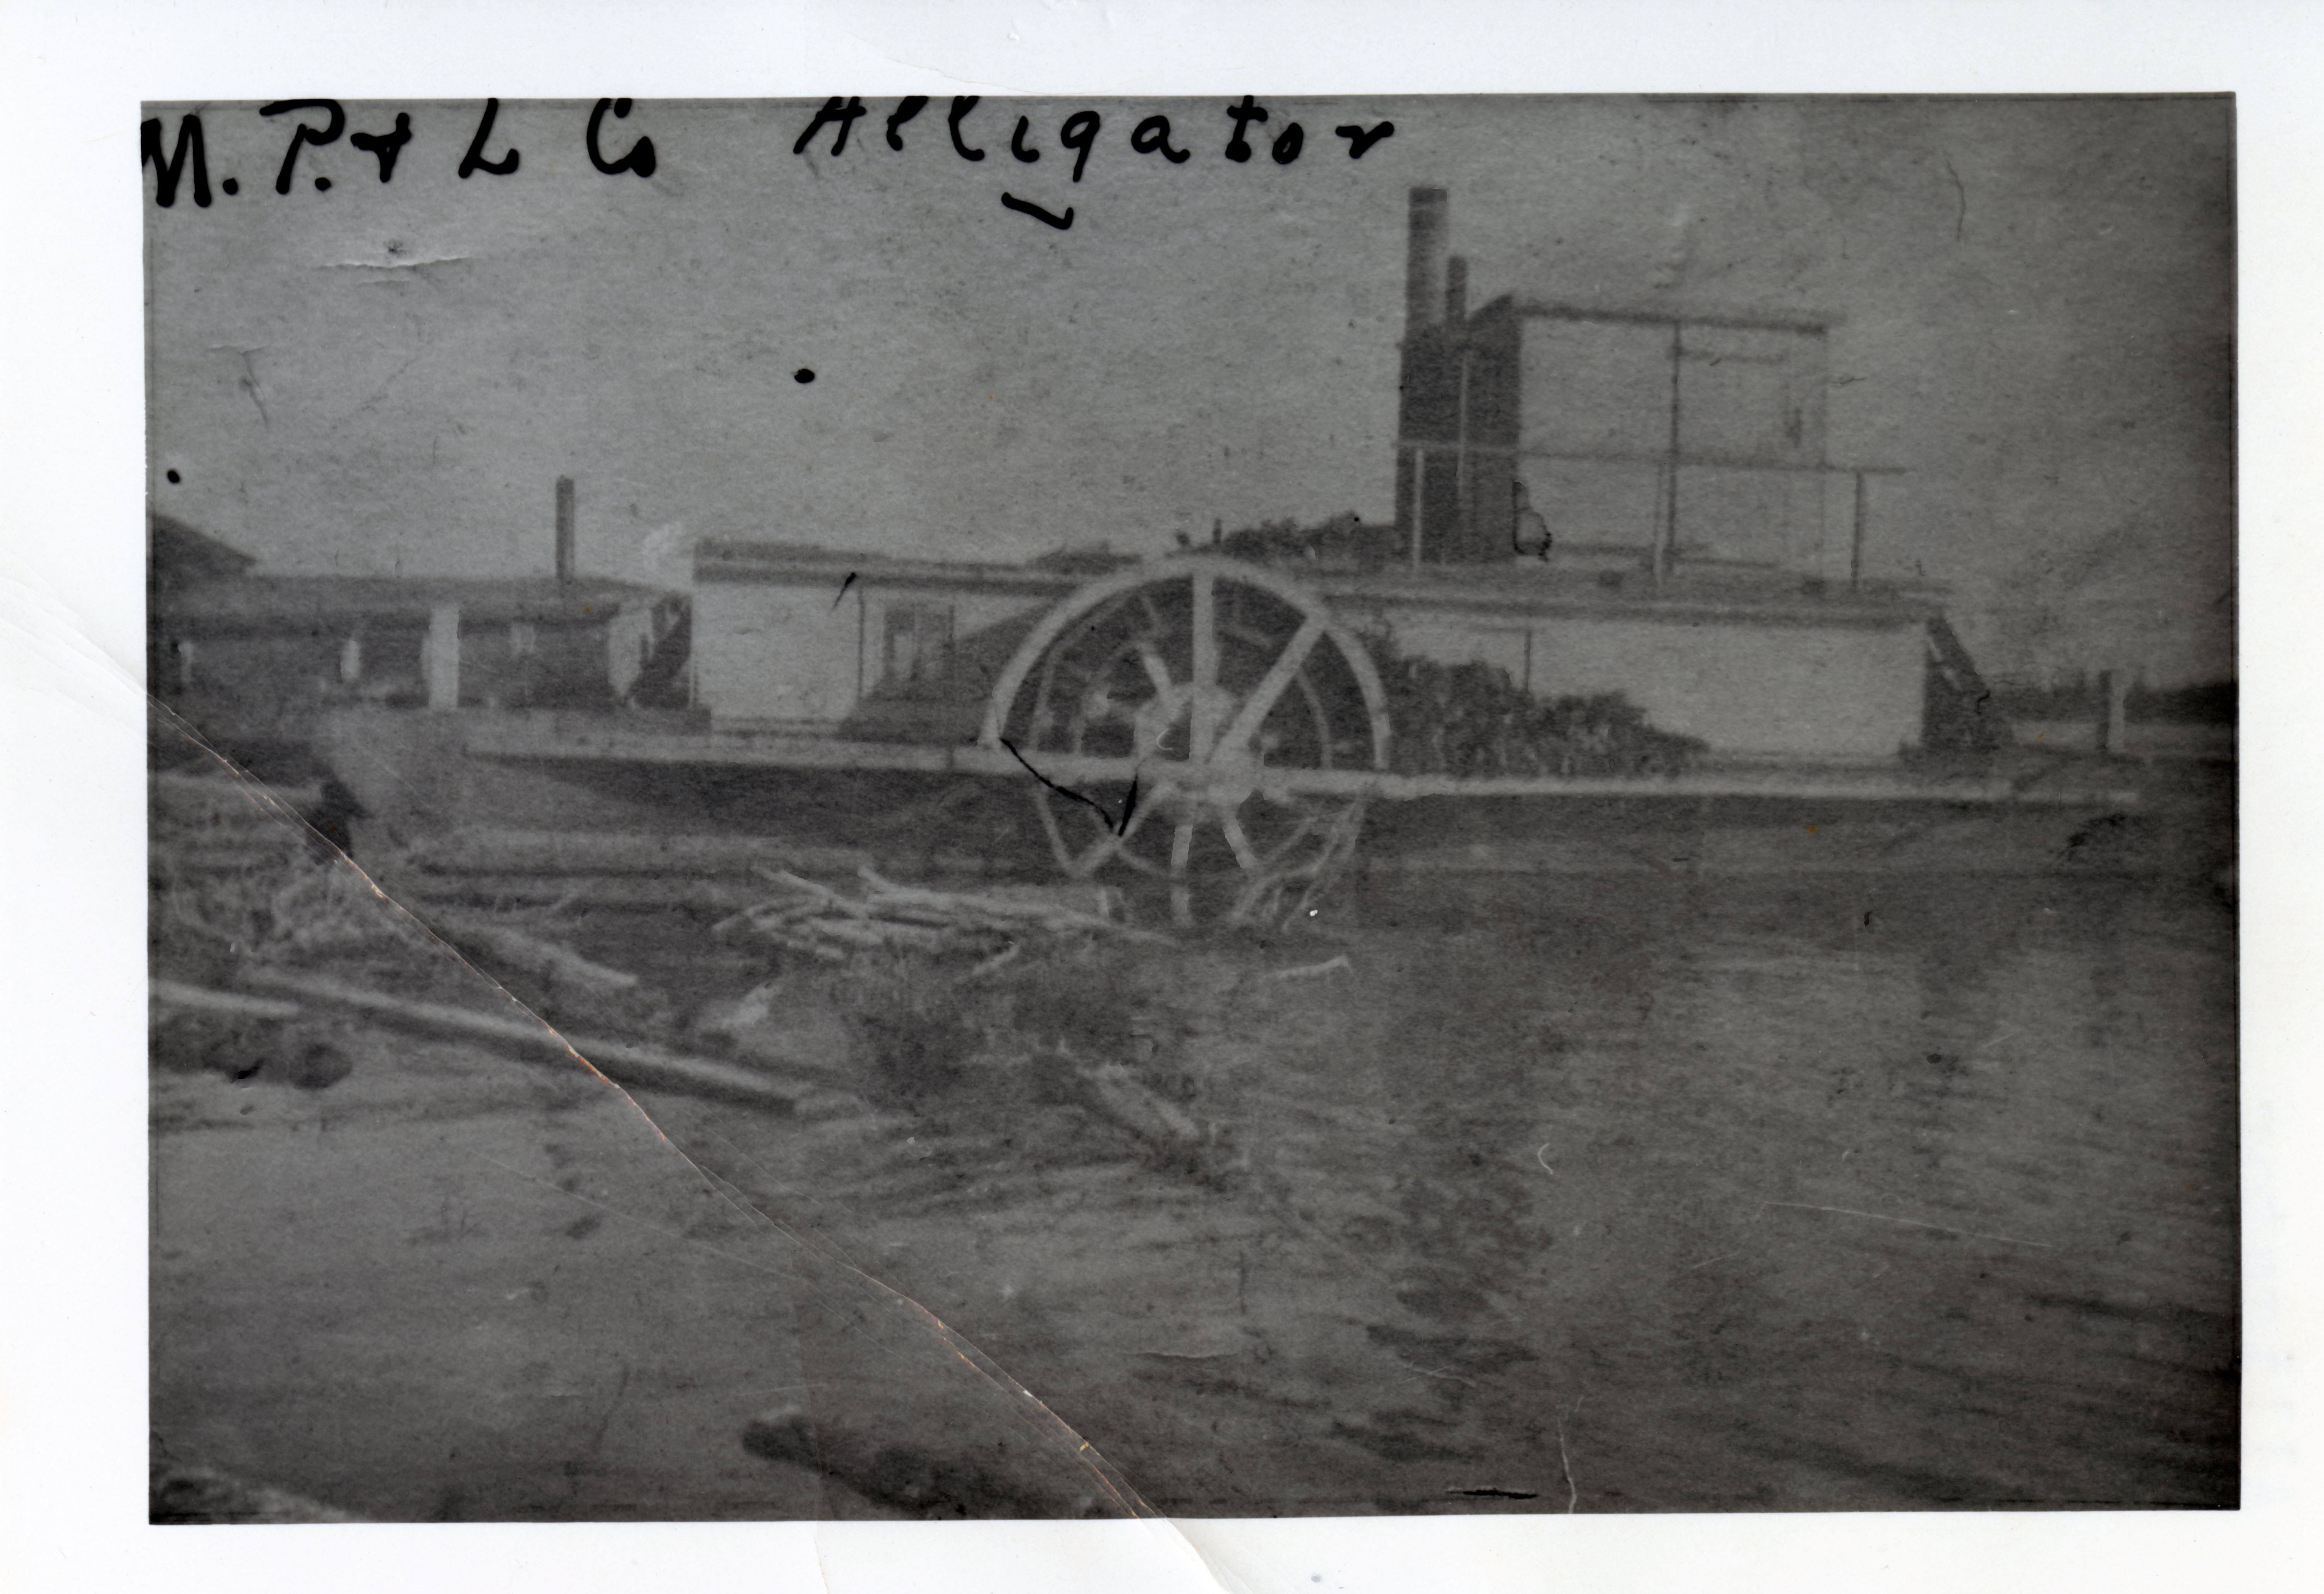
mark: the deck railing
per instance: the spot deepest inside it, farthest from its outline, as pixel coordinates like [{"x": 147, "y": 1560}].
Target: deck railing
[{"x": 1663, "y": 492}]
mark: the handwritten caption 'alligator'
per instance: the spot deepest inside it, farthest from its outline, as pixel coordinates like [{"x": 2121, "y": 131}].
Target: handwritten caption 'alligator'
[{"x": 315, "y": 124}]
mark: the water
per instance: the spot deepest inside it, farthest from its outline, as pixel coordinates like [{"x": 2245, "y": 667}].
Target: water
[{"x": 1608, "y": 1195}]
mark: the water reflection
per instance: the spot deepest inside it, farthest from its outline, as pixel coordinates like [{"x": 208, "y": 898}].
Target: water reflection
[
  {"x": 1645, "y": 1194},
  {"x": 1834, "y": 1195}
]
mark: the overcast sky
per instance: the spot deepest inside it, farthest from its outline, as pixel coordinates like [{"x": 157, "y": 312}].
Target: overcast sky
[{"x": 2036, "y": 301}]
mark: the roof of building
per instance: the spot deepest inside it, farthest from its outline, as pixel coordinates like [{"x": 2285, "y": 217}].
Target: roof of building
[
  {"x": 267, "y": 602},
  {"x": 178, "y": 556},
  {"x": 1660, "y": 314}
]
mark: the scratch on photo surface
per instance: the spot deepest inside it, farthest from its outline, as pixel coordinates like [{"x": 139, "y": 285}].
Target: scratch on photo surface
[{"x": 248, "y": 381}]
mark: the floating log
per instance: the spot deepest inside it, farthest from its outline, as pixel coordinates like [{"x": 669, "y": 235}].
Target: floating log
[
  {"x": 222, "y": 1004},
  {"x": 816, "y": 918},
  {"x": 623, "y": 1062},
  {"x": 936, "y": 1474},
  {"x": 1125, "y": 1100},
  {"x": 242, "y": 799},
  {"x": 531, "y": 954},
  {"x": 997, "y": 910},
  {"x": 539, "y": 891},
  {"x": 549, "y": 851}
]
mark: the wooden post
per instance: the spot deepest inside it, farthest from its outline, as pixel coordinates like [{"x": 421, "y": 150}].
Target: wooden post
[
  {"x": 1460, "y": 513},
  {"x": 1856, "y": 538},
  {"x": 1667, "y": 534},
  {"x": 1419, "y": 498},
  {"x": 440, "y": 657}
]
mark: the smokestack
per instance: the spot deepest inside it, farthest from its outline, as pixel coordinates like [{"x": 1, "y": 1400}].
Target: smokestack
[
  {"x": 564, "y": 527},
  {"x": 1423, "y": 270},
  {"x": 1456, "y": 290}
]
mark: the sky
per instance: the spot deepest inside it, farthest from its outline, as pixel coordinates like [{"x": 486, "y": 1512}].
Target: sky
[{"x": 2036, "y": 300}]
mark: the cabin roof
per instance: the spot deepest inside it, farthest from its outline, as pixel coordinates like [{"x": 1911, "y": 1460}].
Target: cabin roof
[
  {"x": 1659, "y": 314},
  {"x": 292, "y": 602},
  {"x": 178, "y": 556}
]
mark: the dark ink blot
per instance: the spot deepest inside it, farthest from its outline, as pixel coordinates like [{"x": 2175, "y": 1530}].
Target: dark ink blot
[
  {"x": 1152, "y": 137},
  {"x": 474, "y": 161},
  {"x": 1244, "y": 115},
  {"x": 322, "y": 185},
  {"x": 843, "y": 590},
  {"x": 175, "y": 477},
  {"x": 1359, "y": 140},
  {"x": 803, "y": 375},
  {"x": 1028, "y": 208},
  {"x": 231, "y": 186}
]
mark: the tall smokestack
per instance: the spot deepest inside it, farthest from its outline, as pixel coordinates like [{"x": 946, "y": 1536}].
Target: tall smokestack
[
  {"x": 1456, "y": 290},
  {"x": 564, "y": 527},
  {"x": 1423, "y": 270}
]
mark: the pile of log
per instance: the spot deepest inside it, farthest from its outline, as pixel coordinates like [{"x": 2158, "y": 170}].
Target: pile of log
[
  {"x": 218, "y": 824},
  {"x": 233, "y": 870},
  {"x": 1474, "y": 718},
  {"x": 994, "y": 926}
]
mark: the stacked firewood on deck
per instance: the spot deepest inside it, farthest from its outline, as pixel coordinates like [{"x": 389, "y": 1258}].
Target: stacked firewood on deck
[
  {"x": 1474, "y": 720},
  {"x": 990, "y": 927}
]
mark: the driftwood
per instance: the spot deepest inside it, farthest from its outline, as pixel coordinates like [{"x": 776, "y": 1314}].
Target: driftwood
[
  {"x": 507, "y": 891},
  {"x": 623, "y": 1062},
  {"x": 822, "y": 922},
  {"x": 530, "y": 954},
  {"x": 934, "y": 1472},
  {"x": 1000, "y": 910},
  {"x": 1312, "y": 971},
  {"x": 168, "y": 994},
  {"x": 181, "y": 1494},
  {"x": 231, "y": 798},
  {"x": 1125, "y": 1100},
  {"x": 559, "y": 851}
]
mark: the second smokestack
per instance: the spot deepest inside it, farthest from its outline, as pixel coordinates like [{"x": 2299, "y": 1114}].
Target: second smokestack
[
  {"x": 1424, "y": 271},
  {"x": 564, "y": 527}
]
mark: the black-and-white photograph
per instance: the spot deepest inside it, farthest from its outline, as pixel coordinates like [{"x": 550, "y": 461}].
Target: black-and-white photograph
[{"x": 948, "y": 807}]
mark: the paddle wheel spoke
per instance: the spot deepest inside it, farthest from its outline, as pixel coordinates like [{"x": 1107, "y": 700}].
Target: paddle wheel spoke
[
  {"x": 1157, "y": 672},
  {"x": 1202, "y": 722},
  {"x": 1230, "y": 825},
  {"x": 1270, "y": 689}
]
